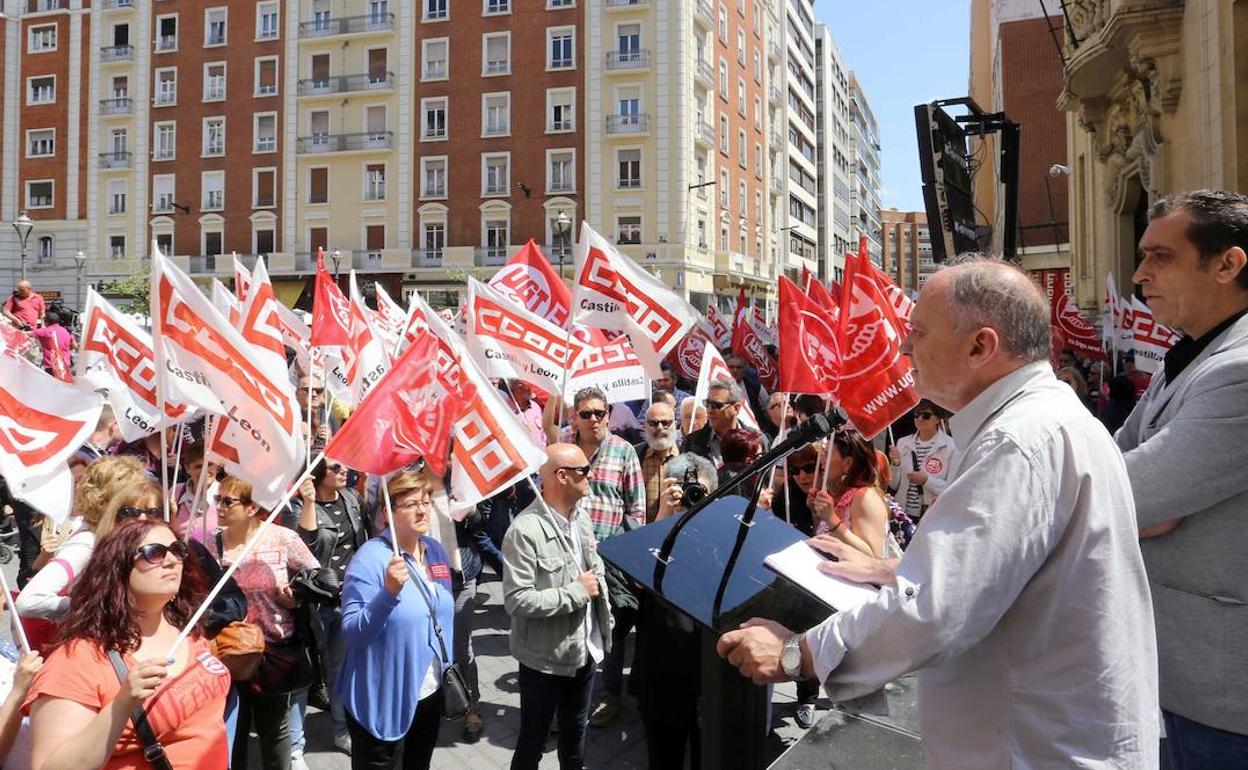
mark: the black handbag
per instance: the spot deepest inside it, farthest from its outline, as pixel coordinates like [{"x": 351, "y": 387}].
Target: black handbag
[
  {"x": 286, "y": 667},
  {"x": 455, "y": 700},
  {"x": 153, "y": 750}
]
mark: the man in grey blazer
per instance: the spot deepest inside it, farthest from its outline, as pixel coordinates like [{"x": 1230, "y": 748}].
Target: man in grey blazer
[{"x": 1184, "y": 448}]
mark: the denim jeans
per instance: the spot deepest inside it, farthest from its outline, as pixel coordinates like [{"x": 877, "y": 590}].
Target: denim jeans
[
  {"x": 463, "y": 655},
  {"x": 330, "y": 619},
  {"x": 542, "y": 696},
  {"x": 613, "y": 663},
  {"x": 1193, "y": 746},
  {"x": 231, "y": 716}
]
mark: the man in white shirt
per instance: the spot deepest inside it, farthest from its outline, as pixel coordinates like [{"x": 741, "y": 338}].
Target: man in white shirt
[{"x": 1022, "y": 600}]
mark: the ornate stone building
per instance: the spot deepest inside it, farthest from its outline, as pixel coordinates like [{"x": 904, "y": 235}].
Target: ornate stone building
[{"x": 1157, "y": 95}]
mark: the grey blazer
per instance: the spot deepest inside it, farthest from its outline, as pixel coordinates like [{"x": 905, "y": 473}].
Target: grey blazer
[{"x": 1184, "y": 446}]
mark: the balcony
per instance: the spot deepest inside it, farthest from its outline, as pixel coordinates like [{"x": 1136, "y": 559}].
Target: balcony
[
  {"x": 774, "y": 51},
  {"x": 114, "y": 160},
  {"x": 704, "y": 14},
  {"x": 774, "y": 96},
  {"x": 377, "y": 22},
  {"x": 108, "y": 4},
  {"x": 340, "y": 84},
  {"x": 776, "y": 137},
  {"x": 561, "y": 186},
  {"x": 122, "y": 105},
  {"x": 628, "y": 124},
  {"x": 489, "y": 256},
  {"x": 366, "y": 259},
  {"x": 166, "y": 97},
  {"x": 318, "y": 143},
  {"x": 111, "y": 53},
  {"x": 35, "y": 6},
  {"x": 627, "y": 3},
  {"x": 166, "y": 43},
  {"x": 776, "y": 185},
  {"x": 705, "y": 134},
  {"x": 163, "y": 206},
  {"x": 705, "y": 73},
  {"x": 426, "y": 257},
  {"x": 618, "y": 61},
  {"x": 211, "y": 263}
]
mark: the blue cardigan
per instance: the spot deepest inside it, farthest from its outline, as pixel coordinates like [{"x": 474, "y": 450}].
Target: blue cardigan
[{"x": 390, "y": 641}]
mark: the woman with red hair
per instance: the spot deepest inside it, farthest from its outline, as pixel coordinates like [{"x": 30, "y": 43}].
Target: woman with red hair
[{"x": 132, "y": 599}]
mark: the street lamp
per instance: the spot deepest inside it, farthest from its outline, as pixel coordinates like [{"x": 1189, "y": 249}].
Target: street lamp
[
  {"x": 337, "y": 258},
  {"x": 23, "y": 226},
  {"x": 80, "y": 259},
  {"x": 563, "y": 231}
]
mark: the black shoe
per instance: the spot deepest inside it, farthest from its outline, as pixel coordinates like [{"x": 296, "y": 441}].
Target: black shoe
[{"x": 318, "y": 696}]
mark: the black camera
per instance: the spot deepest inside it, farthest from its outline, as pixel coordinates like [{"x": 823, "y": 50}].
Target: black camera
[{"x": 692, "y": 491}]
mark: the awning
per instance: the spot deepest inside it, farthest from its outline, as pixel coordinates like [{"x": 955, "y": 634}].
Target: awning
[{"x": 288, "y": 290}]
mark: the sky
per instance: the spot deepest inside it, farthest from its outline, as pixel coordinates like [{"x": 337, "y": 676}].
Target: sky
[{"x": 905, "y": 52}]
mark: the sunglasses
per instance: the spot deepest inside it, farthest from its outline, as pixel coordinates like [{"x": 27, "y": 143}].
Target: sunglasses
[
  {"x": 155, "y": 553},
  {"x": 336, "y": 468},
  {"x": 315, "y": 391},
  {"x": 224, "y": 501},
  {"x": 131, "y": 512},
  {"x": 660, "y": 423},
  {"x": 581, "y": 469},
  {"x": 804, "y": 468},
  {"x": 592, "y": 414},
  {"x": 923, "y": 415},
  {"x": 715, "y": 406}
]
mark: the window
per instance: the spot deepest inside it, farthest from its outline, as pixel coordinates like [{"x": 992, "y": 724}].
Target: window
[
  {"x": 496, "y": 6},
  {"x": 628, "y": 44},
  {"x": 629, "y": 165},
  {"x": 167, "y": 33},
  {"x": 41, "y": 143},
  {"x": 560, "y": 171},
  {"x": 758, "y": 67},
  {"x": 39, "y": 194},
  {"x": 266, "y": 76},
  {"x": 723, "y": 78},
  {"x": 265, "y": 241},
  {"x": 375, "y": 182},
  {"x": 164, "y": 242},
  {"x": 318, "y": 127},
  {"x": 212, "y": 183},
  {"x": 162, "y": 193},
  {"x": 263, "y": 187},
  {"x": 166, "y": 140},
  {"x": 214, "y": 26},
  {"x": 497, "y": 236},
  {"x": 378, "y": 67},
  {"x": 375, "y": 240},
  {"x": 758, "y": 161},
  {"x": 264, "y": 131},
  {"x": 496, "y": 114},
  {"x": 214, "y": 136},
  {"x": 42, "y": 38},
  {"x": 561, "y": 48},
  {"x": 211, "y": 240},
  {"x": 740, "y": 47},
  {"x": 375, "y": 122},
  {"x": 741, "y": 97},
  {"x": 434, "y": 58},
  {"x": 629, "y": 230},
  {"x": 214, "y": 82},
  {"x": 379, "y": 13},
  {"x": 120, "y": 87},
  {"x": 560, "y": 109},
  {"x": 318, "y": 185},
  {"x": 433, "y": 122},
  {"x": 433, "y": 177},
  {"x": 723, "y": 24},
  {"x": 117, "y": 246},
  {"x": 628, "y": 106},
  {"x": 723, "y": 190},
  {"x": 320, "y": 73},
  {"x": 433, "y": 238},
  {"x": 318, "y": 237},
  {"x": 41, "y": 90},
  {"x": 724, "y": 145},
  {"x": 116, "y": 196},
  {"x": 495, "y": 173},
  {"x": 742, "y": 153},
  {"x": 496, "y": 53},
  {"x": 435, "y": 9},
  {"x": 560, "y": 3},
  {"x": 743, "y": 198},
  {"x": 166, "y": 86},
  {"x": 266, "y": 21}
]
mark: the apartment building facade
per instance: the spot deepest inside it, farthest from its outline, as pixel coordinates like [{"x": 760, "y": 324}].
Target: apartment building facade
[
  {"x": 835, "y": 229},
  {"x": 864, "y": 197},
  {"x": 907, "y": 248}
]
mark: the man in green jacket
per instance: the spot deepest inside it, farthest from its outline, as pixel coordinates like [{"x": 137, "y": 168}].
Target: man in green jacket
[{"x": 554, "y": 589}]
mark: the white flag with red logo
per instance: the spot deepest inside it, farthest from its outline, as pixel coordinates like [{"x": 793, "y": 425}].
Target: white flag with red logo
[
  {"x": 686, "y": 359},
  {"x": 507, "y": 341},
  {"x": 1152, "y": 340},
  {"x": 226, "y": 303},
  {"x": 242, "y": 281},
  {"x": 365, "y": 356},
  {"x": 1126, "y": 325},
  {"x": 202, "y": 361},
  {"x": 613, "y": 367},
  {"x": 721, "y": 333},
  {"x": 750, "y": 342},
  {"x": 714, "y": 367},
  {"x": 115, "y": 356},
  {"x": 389, "y": 320},
  {"x": 261, "y": 323},
  {"x": 612, "y": 291},
  {"x": 42, "y": 422}
]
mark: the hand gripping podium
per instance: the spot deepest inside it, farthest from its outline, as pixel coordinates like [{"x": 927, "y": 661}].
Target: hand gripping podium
[{"x": 708, "y": 565}]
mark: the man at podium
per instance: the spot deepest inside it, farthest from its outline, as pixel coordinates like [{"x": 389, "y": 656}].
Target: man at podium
[{"x": 1022, "y": 601}]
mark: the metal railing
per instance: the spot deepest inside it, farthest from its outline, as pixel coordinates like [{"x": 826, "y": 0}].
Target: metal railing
[
  {"x": 426, "y": 257},
  {"x": 489, "y": 256},
  {"x": 119, "y": 106},
  {"x": 166, "y": 42},
  {"x": 628, "y": 60},
  {"x": 317, "y": 143},
  {"x": 628, "y": 124},
  {"x": 367, "y": 258},
  {"x": 377, "y": 22},
  {"x": 117, "y": 4},
  {"x": 114, "y": 160},
  {"x": 706, "y": 71},
  {"x": 702, "y": 10},
  {"x": 626, "y": 3},
  {"x": 705, "y": 132},
  {"x": 338, "y": 84},
  {"x": 116, "y": 53}
]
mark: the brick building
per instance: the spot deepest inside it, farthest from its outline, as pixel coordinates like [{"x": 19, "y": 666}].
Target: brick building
[{"x": 907, "y": 248}]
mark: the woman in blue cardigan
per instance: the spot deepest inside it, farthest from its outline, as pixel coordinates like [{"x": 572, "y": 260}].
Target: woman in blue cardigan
[{"x": 391, "y": 677}]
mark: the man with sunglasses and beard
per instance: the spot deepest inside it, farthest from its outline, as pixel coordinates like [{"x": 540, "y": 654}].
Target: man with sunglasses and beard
[
  {"x": 723, "y": 410},
  {"x": 653, "y": 453}
]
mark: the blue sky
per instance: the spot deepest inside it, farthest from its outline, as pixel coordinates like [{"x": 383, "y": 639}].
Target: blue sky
[{"x": 905, "y": 52}]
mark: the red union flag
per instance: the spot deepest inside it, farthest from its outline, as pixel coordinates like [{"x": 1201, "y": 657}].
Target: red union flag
[
  {"x": 1151, "y": 340},
  {"x": 42, "y": 422},
  {"x": 115, "y": 355},
  {"x": 529, "y": 279},
  {"x": 687, "y": 357},
  {"x": 612, "y": 291},
  {"x": 749, "y": 343},
  {"x": 390, "y": 320},
  {"x": 331, "y": 312},
  {"x": 715, "y": 368},
  {"x": 1075, "y": 330},
  {"x": 809, "y": 353},
  {"x": 202, "y": 361},
  {"x": 506, "y": 340},
  {"x": 720, "y": 333}
]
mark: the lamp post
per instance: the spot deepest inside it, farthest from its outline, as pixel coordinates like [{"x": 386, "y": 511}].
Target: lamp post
[
  {"x": 337, "y": 258},
  {"x": 80, "y": 259},
  {"x": 23, "y": 225},
  {"x": 563, "y": 229}
]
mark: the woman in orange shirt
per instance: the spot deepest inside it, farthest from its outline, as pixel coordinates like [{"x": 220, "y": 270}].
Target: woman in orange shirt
[{"x": 134, "y": 596}]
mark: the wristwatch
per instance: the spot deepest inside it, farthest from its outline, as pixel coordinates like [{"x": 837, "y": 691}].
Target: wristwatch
[{"x": 791, "y": 657}]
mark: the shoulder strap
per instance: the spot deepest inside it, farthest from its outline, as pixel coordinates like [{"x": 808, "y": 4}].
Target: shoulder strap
[
  {"x": 422, "y": 589},
  {"x": 153, "y": 751}
]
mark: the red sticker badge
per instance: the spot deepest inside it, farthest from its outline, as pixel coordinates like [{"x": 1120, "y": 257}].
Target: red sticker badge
[
  {"x": 934, "y": 466},
  {"x": 439, "y": 572}
]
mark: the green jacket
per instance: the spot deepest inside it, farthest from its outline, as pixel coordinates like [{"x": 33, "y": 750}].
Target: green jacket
[{"x": 541, "y": 593}]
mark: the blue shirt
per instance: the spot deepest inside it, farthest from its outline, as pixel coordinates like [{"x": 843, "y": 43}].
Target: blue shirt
[{"x": 389, "y": 639}]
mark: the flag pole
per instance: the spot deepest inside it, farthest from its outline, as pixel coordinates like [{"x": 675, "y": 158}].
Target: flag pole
[
  {"x": 394, "y": 536},
  {"x": 177, "y": 464},
  {"x": 17, "y": 621},
  {"x": 780, "y": 434},
  {"x": 202, "y": 482},
  {"x": 238, "y": 560},
  {"x": 311, "y": 380}
]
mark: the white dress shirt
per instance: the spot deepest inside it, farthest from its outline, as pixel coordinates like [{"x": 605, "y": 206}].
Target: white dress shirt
[{"x": 1022, "y": 600}]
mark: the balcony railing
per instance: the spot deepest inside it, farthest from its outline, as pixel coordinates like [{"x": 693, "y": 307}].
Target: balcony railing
[
  {"x": 705, "y": 133},
  {"x": 35, "y": 6},
  {"x": 117, "y": 4},
  {"x": 116, "y": 53},
  {"x": 562, "y": 186},
  {"x": 703, "y": 12},
  {"x": 208, "y": 263},
  {"x": 377, "y": 22},
  {"x": 489, "y": 256},
  {"x": 628, "y": 60},
  {"x": 628, "y": 124},
  {"x": 339, "y": 84},
  {"x": 774, "y": 51},
  {"x": 120, "y": 106},
  {"x": 317, "y": 143},
  {"x": 427, "y": 258},
  {"x": 166, "y": 96},
  {"x": 167, "y": 43},
  {"x": 366, "y": 258},
  {"x": 706, "y": 72},
  {"x": 114, "y": 160},
  {"x": 626, "y": 3}
]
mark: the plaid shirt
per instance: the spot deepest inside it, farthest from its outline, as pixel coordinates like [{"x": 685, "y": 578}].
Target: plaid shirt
[
  {"x": 615, "y": 486},
  {"x": 652, "y": 472}
]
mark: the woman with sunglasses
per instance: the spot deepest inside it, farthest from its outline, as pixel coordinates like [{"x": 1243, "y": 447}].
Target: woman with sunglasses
[
  {"x": 920, "y": 461},
  {"x": 392, "y": 610},
  {"x": 265, "y": 579},
  {"x": 133, "y": 598},
  {"x": 852, "y": 509}
]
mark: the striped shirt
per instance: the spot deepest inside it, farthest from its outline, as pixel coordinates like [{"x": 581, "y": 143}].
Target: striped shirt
[{"x": 615, "y": 486}]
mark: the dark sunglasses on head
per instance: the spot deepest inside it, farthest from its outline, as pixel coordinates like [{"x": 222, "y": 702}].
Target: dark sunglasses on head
[
  {"x": 592, "y": 414},
  {"x": 715, "y": 406},
  {"x": 660, "y": 423},
  {"x": 155, "y": 553},
  {"x": 804, "y": 468},
  {"x": 133, "y": 512},
  {"x": 581, "y": 469}
]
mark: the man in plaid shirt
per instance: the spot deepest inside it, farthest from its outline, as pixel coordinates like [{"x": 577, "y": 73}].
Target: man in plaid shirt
[{"x": 616, "y": 490}]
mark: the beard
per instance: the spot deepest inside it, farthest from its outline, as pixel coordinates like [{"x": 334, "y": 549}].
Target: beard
[{"x": 661, "y": 441}]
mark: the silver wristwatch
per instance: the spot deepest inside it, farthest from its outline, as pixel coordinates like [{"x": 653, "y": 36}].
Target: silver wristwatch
[{"x": 791, "y": 657}]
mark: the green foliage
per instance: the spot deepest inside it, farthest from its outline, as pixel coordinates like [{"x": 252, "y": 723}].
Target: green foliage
[{"x": 131, "y": 294}]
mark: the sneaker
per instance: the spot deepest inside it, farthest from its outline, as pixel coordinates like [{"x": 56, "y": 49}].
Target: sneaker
[
  {"x": 605, "y": 711},
  {"x": 342, "y": 742},
  {"x": 806, "y": 716},
  {"x": 297, "y": 763}
]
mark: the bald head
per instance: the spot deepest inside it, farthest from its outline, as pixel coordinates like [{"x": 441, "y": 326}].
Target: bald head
[
  {"x": 565, "y": 476},
  {"x": 23, "y": 288},
  {"x": 985, "y": 292}
]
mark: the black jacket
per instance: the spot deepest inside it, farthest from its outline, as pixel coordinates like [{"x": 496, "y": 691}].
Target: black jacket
[{"x": 321, "y": 541}]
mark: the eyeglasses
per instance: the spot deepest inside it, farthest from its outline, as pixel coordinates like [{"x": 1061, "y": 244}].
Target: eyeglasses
[
  {"x": 715, "y": 406},
  {"x": 923, "y": 415},
  {"x": 155, "y": 553},
  {"x": 581, "y": 469},
  {"x": 315, "y": 391},
  {"x": 336, "y": 468},
  {"x": 660, "y": 423},
  {"x": 224, "y": 501},
  {"x": 414, "y": 505},
  {"x": 804, "y": 468},
  {"x": 592, "y": 414},
  {"x": 132, "y": 512}
]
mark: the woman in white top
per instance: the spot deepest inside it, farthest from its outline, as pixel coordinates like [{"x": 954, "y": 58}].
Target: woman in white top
[
  {"x": 46, "y": 596},
  {"x": 920, "y": 462}
]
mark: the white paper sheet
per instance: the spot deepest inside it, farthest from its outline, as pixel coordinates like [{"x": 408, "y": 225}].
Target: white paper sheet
[{"x": 799, "y": 563}]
